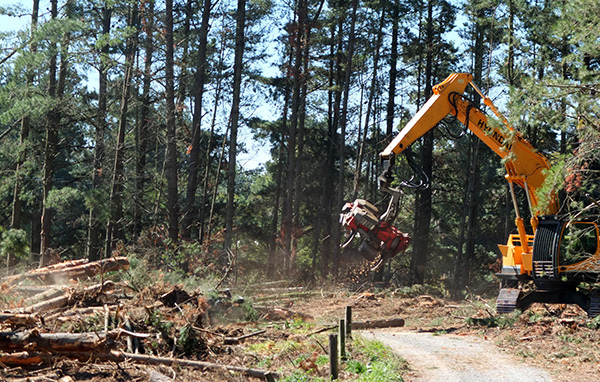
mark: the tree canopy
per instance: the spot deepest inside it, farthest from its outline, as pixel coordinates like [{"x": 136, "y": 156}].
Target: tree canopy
[{"x": 124, "y": 127}]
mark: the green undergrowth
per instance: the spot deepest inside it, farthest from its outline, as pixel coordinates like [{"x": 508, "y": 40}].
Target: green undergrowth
[
  {"x": 418, "y": 290},
  {"x": 372, "y": 361},
  {"x": 302, "y": 356}
]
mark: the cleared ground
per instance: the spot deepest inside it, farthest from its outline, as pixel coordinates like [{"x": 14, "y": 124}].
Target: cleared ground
[{"x": 452, "y": 358}]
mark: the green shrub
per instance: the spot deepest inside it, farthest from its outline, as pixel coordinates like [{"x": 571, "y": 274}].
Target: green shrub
[{"x": 14, "y": 245}]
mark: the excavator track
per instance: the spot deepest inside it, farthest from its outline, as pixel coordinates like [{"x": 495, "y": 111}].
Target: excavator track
[
  {"x": 594, "y": 309},
  {"x": 507, "y": 300}
]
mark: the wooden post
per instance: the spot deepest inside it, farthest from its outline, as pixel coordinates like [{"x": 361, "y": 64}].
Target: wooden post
[
  {"x": 348, "y": 321},
  {"x": 342, "y": 339},
  {"x": 333, "y": 356}
]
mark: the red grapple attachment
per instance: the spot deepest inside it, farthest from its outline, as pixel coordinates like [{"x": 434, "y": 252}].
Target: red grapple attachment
[{"x": 380, "y": 237}]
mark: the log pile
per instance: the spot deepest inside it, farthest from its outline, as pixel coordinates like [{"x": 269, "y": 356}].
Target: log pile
[
  {"x": 103, "y": 323},
  {"x": 70, "y": 270}
]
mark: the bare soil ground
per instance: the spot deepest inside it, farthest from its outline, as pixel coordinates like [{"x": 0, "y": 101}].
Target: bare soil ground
[
  {"x": 189, "y": 325},
  {"x": 451, "y": 358},
  {"x": 558, "y": 339}
]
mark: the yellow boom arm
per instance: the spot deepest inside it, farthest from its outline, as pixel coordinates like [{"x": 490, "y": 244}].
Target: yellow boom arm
[{"x": 524, "y": 165}]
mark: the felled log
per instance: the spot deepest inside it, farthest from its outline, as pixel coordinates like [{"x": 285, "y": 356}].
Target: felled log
[
  {"x": 377, "y": 324},
  {"x": 21, "y": 359},
  {"x": 151, "y": 360},
  {"x": 54, "y": 267},
  {"x": 369, "y": 324},
  {"x": 46, "y": 295},
  {"x": 64, "y": 300},
  {"x": 72, "y": 270},
  {"x": 32, "y": 290},
  {"x": 19, "y": 319},
  {"x": 236, "y": 340},
  {"x": 282, "y": 296},
  {"x": 33, "y": 340},
  {"x": 280, "y": 314},
  {"x": 61, "y": 265},
  {"x": 58, "y": 343},
  {"x": 115, "y": 356},
  {"x": 270, "y": 284},
  {"x": 74, "y": 312},
  {"x": 324, "y": 329},
  {"x": 53, "y": 303}
]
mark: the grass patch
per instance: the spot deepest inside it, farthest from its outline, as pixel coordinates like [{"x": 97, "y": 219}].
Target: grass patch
[
  {"x": 418, "y": 290},
  {"x": 372, "y": 361},
  {"x": 435, "y": 322},
  {"x": 298, "y": 326},
  {"x": 368, "y": 361},
  {"x": 299, "y": 376}
]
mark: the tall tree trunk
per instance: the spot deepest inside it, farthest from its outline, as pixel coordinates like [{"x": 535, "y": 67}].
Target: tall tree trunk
[
  {"x": 17, "y": 206},
  {"x": 339, "y": 140},
  {"x": 298, "y": 198},
  {"x": 361, "y": 150},
  {"x": 287, "y": 218},
  {"x": 423, "y": 201},
  {"x": 472, "y": 193},
  {"x": 298, "y": 187},
  {"x": 510, "y": 74},
  {"x": 172, "y": 203},
  {"x": 235, "y": 113},
  {"x": 214, "y": 195},
  {"x": 211, "y": 139},
  {"x": 466, "y": 240},
  {"x": 391, "y": 105},
  {"x": 208, "y": 208},
  {"x": 510, "y": 61},
  {"x": 340, "y": 119},
  {"x": 182, "y": 90},
  {"x": 327, "y": 197},
  {"x": 192, "y": 184},
  {"x": 144, "y": 122},
  {"x": 49, "y": 151},
  {"x": 94, "y": 245},
  {"x": 56, "y": 91},
  {"x": 342, "y": 139},
  {"x": 274, "y": 260},
  {"x": 378, "y": 274},
  {"x": 113, "y": 226}
]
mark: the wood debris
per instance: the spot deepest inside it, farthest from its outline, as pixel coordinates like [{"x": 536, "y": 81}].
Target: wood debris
[
  {"x": 101, "y": 324},
  {"x": 19, "y": 319},
  {"x": 236, "y": 340}
]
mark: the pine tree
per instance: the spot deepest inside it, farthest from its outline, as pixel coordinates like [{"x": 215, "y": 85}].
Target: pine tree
[
  {"x": 94, "y": 243},
  {"x": 235, "y": 113},
  {"x": 114, "y": 231}
]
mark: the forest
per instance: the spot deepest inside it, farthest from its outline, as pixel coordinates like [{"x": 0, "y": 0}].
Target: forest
[{"x": 126, "y": 128}]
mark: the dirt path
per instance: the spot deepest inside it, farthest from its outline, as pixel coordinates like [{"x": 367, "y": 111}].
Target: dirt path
[{"x": 452, "y": 358}]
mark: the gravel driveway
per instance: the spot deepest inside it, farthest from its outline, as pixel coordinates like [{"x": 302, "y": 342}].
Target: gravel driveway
[{"x": 451, "y": 358}]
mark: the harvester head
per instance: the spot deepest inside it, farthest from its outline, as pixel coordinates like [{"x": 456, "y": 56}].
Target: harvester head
[{"x": 381, "y": 240}]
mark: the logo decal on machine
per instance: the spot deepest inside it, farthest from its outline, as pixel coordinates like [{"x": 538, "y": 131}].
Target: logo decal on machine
[{"x": 495, "y": 134}]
